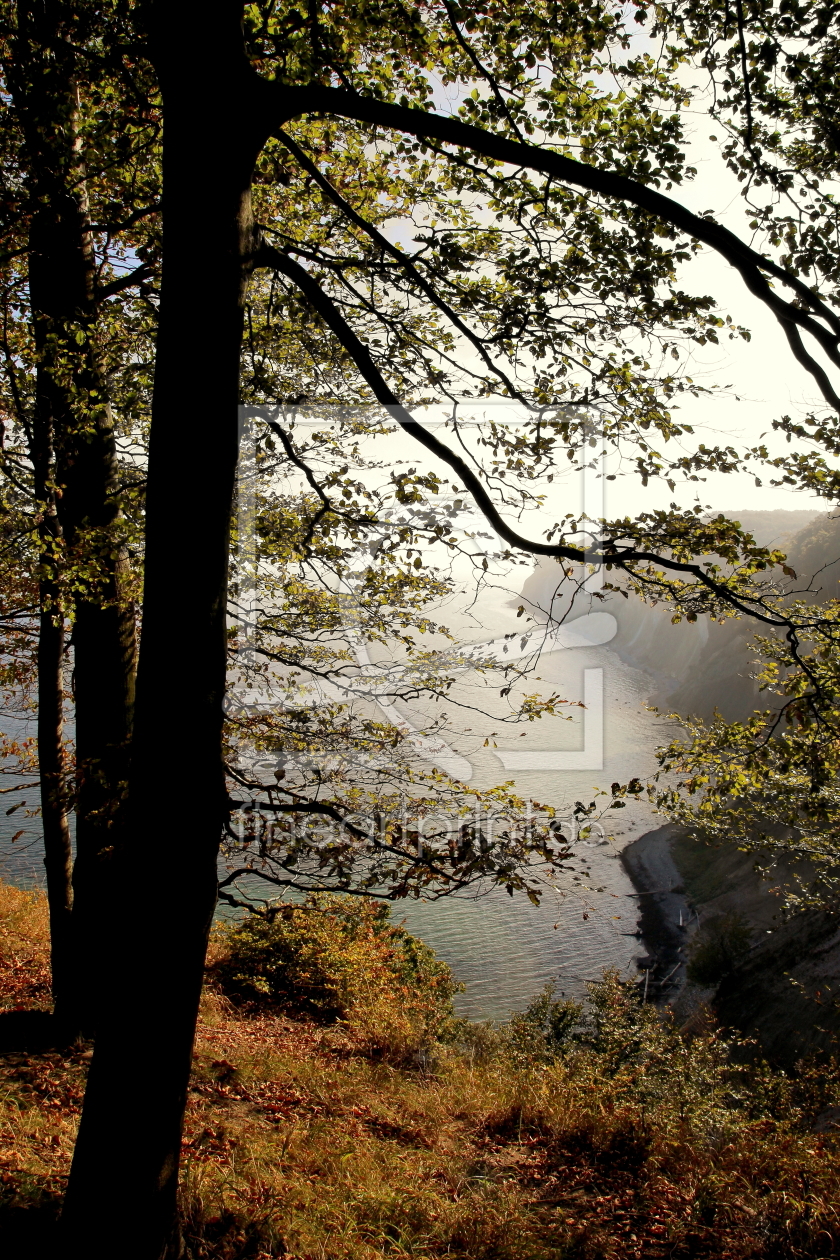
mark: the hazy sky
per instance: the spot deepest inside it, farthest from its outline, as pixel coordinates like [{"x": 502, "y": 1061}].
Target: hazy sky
[
  {"x": 756, "y": 381},
  {"x": 763, "y": 379},
  {"x": 760, "y": 379}
]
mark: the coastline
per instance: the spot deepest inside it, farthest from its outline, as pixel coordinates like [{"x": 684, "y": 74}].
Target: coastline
[
  {"x": 665, "y": 912},
  {"x": 782, "y": 993}
]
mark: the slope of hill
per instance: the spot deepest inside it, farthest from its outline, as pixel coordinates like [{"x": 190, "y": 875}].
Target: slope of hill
[
  {"x": 783, "y": 987},
  {"x": 703, "y": 667},
  {"x": 600, "y": 1136}
]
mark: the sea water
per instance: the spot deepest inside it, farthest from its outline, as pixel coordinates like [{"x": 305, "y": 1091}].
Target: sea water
[{"x": 503, "y": 948}]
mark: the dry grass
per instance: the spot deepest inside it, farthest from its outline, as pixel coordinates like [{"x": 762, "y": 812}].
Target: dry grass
[
  {"x": 24, "y": 948},
  {"x": 299, "y": 1143},
  {"x": 40, "y": 1094},
  {"x": 332, "y": 1155}
]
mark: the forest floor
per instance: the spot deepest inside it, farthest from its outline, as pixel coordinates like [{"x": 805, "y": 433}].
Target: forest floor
[{"x": 300, "y": 1143}]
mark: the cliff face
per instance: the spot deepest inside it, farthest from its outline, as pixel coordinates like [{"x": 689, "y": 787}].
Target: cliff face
[
  {"x": 702, "y": 667},
  {"x": 785, "y": 988},
  {"x": 695, "y": 667},
  {"x": 720, "y": 678}
]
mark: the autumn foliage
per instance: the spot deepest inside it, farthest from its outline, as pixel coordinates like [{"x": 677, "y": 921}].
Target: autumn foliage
[{"x": 589, "y": 1133}]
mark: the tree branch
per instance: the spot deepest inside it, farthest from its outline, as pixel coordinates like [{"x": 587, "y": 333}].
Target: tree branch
[
  {"x": 286, "y": 103},
  {"x": 137, "y": 276},
  {"x": 610, "y": 553},
  {"x": 482, "y": 70},
  {"x": 268, "y": 256},
  {"x": 794, "y": 339},
  {"x": 404, "y": 261}
]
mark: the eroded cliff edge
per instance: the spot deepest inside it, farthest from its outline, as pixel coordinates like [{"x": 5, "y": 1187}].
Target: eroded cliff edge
[{"x": 784, "y": 989}]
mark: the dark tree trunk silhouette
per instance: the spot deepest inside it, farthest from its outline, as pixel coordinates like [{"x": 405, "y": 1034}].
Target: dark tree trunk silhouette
[
  {"x": 76, "y": 481},
  {"x": 58, "y": 856},
  {"x": 136, "y": 1093}
]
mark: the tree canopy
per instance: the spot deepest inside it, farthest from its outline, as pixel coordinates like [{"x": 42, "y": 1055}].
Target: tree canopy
[{"x": 360, "y": 210}]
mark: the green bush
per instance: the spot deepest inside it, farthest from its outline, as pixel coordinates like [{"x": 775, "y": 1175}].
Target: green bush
[
  {"x": 614, "y": 1025},
  {"x": 718, "y": 950},
  {"x": 338, "y": 958},
  {"x": 544, "y": 1029}
]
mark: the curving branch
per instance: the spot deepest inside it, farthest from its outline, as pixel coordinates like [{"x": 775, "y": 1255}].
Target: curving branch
[
  {"x": 609, "y": 552},
  {"x": 285, "y": 103},
  {"x": 418, "y": 859},
  {"x": 400, "y": 257},
  {"x": 794, "y": 339},
  {"x": 327, "y": 505},
  {"x": 138, "y": 276},
  {"x": 268, "y": 256}
]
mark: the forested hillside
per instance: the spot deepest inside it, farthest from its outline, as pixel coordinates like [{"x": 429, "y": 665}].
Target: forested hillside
[{"x": 698, "y": 668}]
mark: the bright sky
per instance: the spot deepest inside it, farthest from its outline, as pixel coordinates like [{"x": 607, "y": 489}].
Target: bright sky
[
  {"x": 760, "y": 380},
  {"x": 757, "y": 381}
]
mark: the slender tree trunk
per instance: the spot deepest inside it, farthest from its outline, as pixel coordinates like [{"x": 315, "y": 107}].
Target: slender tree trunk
[
  {"x": 123, "y": 1183},
  {"x": 74, "y": 420},
  {"x": 104, "y": 679},
  {"x": 58, "y": 856}
]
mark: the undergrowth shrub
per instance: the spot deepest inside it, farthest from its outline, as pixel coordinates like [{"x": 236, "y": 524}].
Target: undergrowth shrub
[
  {"x": 543, "y": 1030},
  {"x": 634, "y": 1055},
  {"x": 614, "y": 1025},
  {"x": 718, "y": 949},
  {"x": 339, "y": 958}
]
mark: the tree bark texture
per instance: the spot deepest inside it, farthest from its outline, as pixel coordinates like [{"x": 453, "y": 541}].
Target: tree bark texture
[{"x": 123, "y": 1182}]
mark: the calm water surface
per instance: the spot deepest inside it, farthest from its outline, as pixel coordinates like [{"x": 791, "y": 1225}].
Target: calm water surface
[{"x": 504, "y": 949}]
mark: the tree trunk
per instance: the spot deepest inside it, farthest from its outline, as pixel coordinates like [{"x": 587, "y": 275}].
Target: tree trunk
[
  {"x": 58, "y": 856},
  {"x": 73, "y": 424},
  {"x": 123, "y": 1182},
  {"x": 104, "y": 679}
]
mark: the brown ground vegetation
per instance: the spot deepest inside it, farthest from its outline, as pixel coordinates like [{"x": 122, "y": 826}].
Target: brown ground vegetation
[{"x": 303, "y": 1142}]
